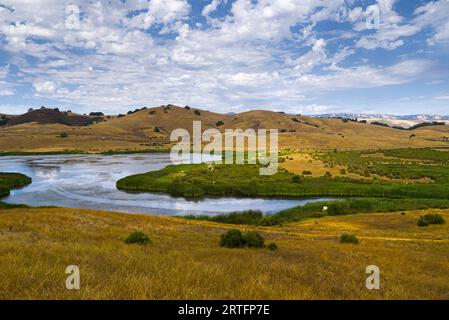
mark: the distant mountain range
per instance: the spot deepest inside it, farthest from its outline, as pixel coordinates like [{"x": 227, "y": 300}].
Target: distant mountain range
[
  {"x": 362, "y": 116},
  {"x": 390, "y": 119}
]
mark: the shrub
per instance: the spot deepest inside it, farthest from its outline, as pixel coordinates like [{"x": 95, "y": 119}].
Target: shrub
[
  {"x": 63, "y": 135},
  {"x": 197, "y": 112},
  {"x": 253, "y": 239},
  {"x": 152, "y": 112},
  {"x": 296, "y": 179},
  {"x": 219, "y": 123},
  {"x": 156, "y": 129},
  {"x": 422, "y": 222},
  {"x": 433, "y": 219},
  {"x": 306, "y": 173},
  {"x": 272, "y": 246},
  {"x": 187, "y": 107},
  {"x": 340, "y": 208},
  {"x": 295, "y": 120},
  {"x": 349, "y": 238},
  {"x": 269, "y": 221},
  {"x": 235, "y": 239},
  {"x": 138, "y": 238},
  {"x": 232, "y": 239}
]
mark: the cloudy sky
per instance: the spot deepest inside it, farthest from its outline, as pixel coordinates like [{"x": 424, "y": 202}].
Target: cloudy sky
[{"x": 300, "y": 56}]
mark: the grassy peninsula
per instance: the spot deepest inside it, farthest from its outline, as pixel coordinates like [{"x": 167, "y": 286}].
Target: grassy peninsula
[{"x": 9, "y": 181}]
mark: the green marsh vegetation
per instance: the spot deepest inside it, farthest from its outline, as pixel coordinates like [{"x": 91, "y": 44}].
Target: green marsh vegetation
[
  {"x": 395, "y": 180},
  {"x": 334, "y": 208},
  {"x": 426, "y": 177},
  {"x": 9, "y": 181}
]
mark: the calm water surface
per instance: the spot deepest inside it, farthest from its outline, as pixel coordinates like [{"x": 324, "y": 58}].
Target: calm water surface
[{"x": 88, "y": 181}]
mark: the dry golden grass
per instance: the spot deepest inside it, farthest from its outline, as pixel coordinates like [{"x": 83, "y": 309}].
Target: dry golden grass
[
  {"x": 299, "y": 162},
  {"x": 185, "y": 261},
  {"x": 137, "y": 132}
]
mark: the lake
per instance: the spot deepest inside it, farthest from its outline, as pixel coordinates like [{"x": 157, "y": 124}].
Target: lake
[{"x": 89, "y": 182}]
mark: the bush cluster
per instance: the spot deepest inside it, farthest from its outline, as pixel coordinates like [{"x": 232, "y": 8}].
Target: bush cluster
[
  {"x": 429, "y": 219},
  {"x": 236, "y": 239},
  {"x": 138, "y": 237},
  {"x": 349, "y": 238}
]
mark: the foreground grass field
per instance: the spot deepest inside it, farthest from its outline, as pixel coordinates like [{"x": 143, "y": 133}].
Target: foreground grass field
[{"x": 184, "y": 260}]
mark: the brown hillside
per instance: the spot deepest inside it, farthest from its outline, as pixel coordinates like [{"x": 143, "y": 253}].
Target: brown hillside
[
  {"x": 53, "y": 116},
  {"x": 150, "y": 128},
  {"x": 4, "y": 118},
  {"x": 166, "y": 119}
]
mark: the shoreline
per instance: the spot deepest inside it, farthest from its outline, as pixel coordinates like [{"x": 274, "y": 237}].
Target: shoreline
[{"x": 78, "y": 152}]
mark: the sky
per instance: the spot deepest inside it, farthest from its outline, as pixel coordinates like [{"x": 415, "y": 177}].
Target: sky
[{"x": 296, "y": 56}]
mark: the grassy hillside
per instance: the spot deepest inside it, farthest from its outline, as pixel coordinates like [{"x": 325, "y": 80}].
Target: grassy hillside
[
  {"x": 184, "y": 260},
  {"x": 149, "y": 128}
]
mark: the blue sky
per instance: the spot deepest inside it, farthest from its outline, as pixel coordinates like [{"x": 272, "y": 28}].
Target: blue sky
[{"x": 298, "y": 56}]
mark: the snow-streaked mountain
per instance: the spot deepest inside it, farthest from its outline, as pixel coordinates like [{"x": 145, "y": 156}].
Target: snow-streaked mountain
[
  {"x": 390, "y": 119},
  {"x": 361, "y": 116}
]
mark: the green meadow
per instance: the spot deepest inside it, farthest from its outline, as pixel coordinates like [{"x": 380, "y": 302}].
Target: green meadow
[{"x": 390, "y": 180}]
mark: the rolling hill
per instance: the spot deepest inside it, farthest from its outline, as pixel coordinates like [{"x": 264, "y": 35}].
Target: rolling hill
[
  {"x": 52, "y": 116},
  {"x": 150, "y": 128}
]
